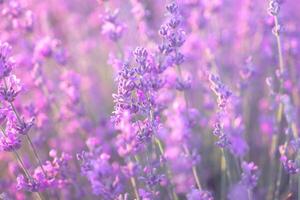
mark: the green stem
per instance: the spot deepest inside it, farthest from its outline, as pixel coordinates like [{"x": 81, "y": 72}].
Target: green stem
[
  {"x": 227, "y": 168},
  {"x": 27, "y": 136},
  {"x": 223, "y": 177},
  {"x": 169, "y": 173},
  {"x": 272, "y": 170},
  {"x": 194, "y": 169},
  {"x": 281, "y": 106},
  {"x": 21, "y": 163},
  {"x": 298, "y": 187},
  {"x": 136, "y": 193},
  {"x": 29, "y": 141},
  {"x": 278, "y": 182}
]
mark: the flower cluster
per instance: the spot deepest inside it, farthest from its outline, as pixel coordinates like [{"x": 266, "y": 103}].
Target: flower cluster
[
  {"x": 103, "y": 176},
  {"x": 249, "y": 175},
  {"x": 289, "y": 165},
  {"x": 111, "y": 27},
  {"x": 117, "y": 100},
  {"x": 56, "y": 176}
]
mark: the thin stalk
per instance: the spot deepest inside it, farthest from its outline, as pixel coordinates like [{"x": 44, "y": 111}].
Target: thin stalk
[
  {"x": 295, "y": 134},
  {"x": 21, "y": 164},
  {"x": 281, "y": 106},
  {"x": 298, "y": 187},
  {"x": 279, "y": 46},
  {"x": 194, "y": 169},
  {"x": 250, "y": 195},
  {"x": 226, "y": 159},
  {"x": 36, "y": 154},
  {"x": 238, "y": 165},
  {"x": 223, "y": 178},
  {"x": 272, "y": 170},
  {"x": 136, "y": 193},
  {"x": 278, "y": 182},
  {"x": 169, "y": 174},
  {"x": 281, "y": 67},
  {"x": 27, "y": 136},
  {"x": 29, "y": 141}
]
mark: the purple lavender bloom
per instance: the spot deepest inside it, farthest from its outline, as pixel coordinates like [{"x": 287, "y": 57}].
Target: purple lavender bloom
[
  {"x": 103, "y": 177},
  {"x": 111, "y": 27},
  {"x": 151, "y": 177},
  {"x": 6, "y": 63},
  {"x": 43, "y": 48},
  {"x": 274, "y": 7},
  {"x": 290, "y": 166},
  {"x": 249, "y": 175},
  {"x": 203, "y": 71},
  {"x": 23, "y": 126},
  {"x": 11, "y": 141},
  {"x": 172, "y": 8},
  {"x": 60, "y": 54},
  {"x": 222, "y": 92},
  {"x": 36, "y": 184},
  {"x": 57, "y": 175},
  {"x": 10, "y": 88}
]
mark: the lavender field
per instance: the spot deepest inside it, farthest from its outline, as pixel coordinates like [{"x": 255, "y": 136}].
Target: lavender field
[{"x": 149, "y": 99}]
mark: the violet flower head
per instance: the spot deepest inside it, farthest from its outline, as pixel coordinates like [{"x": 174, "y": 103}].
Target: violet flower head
[
  {"x": 10, "y": 88},
  {"x": 57, "y": 175},
  {"x": 137, "y": 85},
  {"x": 221, "y": 90},
  {"x": 111, "y": 27},
  {"x": 39, "y": 183},
  {"x": 11, "y": 141},
  {"x": 173, "y": 37},
  {"x": 274, "y": 7},
  {"x": 6, "y": 62},
  {"x": 223, "y": 94},
  {"x": 152, "y": 177},
  {"x": 23, "y": 126},
  {"x": 290, "y": 166},
  {"x": 102, "y": 175},
  {"x": 249, "y": 174},
  {"x": 133, "y": 89}
]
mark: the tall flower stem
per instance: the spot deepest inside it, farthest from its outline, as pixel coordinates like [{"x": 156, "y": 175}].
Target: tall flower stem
[
  {"x": 133, "y": 183},
  {"x": 169, "y": 173},
  {"x": 278, "y": 181},
  {"x": 29, "y": 141},
  {"x": 194, "y": 169},
  {"x": 281, "y": 67},
  {"x": 226, "y": 165},
  {"x": 21, "y": 164},
  {"x": 223, "y": 178},
  {"x": 281, "y": 105},
  {"x": 279, "y": 114},
  {"x": 27, "y": 136},
  {"x": 295, "y": 134},
  {"x": 225, "y": 160}
]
